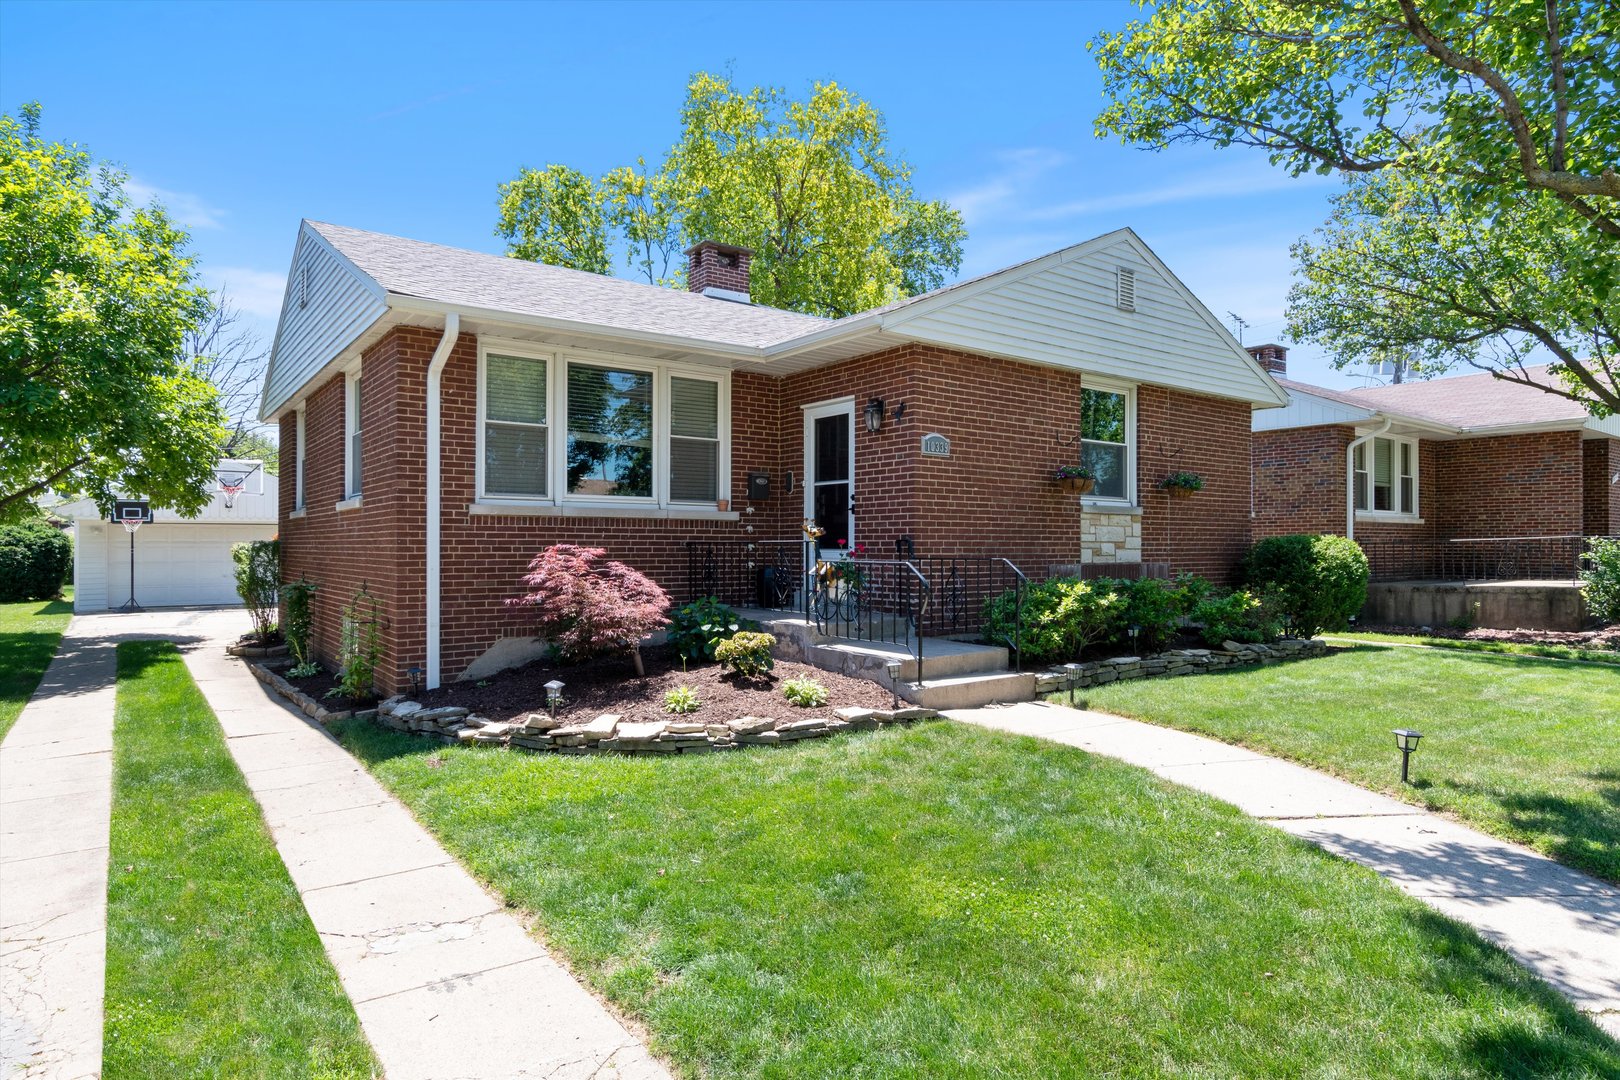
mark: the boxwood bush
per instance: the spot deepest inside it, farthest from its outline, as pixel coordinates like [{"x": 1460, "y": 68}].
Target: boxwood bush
[
  {"x": 1318, "y": 582},
  {"x": 1600, "y": 579},
  {"x": 34, "y": 561}
]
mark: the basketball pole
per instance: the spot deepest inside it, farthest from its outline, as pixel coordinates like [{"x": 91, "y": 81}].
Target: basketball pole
[{"x": 131, "y": 604}]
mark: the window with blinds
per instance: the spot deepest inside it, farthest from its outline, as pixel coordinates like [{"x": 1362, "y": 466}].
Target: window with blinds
[
  {"x": 1386, "y": 476},
  {"x": 694, "y": 440},
  {"x": 515, "y": 426}
]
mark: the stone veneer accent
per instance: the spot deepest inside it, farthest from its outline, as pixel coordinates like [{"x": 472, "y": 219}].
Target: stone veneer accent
[{"x": 1110, "y": 536}]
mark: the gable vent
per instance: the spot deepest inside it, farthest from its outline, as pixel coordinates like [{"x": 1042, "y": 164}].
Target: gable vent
[
  {"x": 303, "y": 285},
  {"x": 1125, "y": 289}
]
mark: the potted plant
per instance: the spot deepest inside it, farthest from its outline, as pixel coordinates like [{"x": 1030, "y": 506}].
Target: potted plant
[
  {"x": 1181, "y": 485},
  {"x": 1075, "y": 479}
]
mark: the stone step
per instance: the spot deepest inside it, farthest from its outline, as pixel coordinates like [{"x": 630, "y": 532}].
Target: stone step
[
  {"x": 942, "y": 659},
  {"x": 970, "y": 691}
]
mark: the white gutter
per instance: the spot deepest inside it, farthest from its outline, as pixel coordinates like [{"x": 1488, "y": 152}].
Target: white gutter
[
  {"x": 1350, "y": 475},
  {"x": 441, "y": 355}
]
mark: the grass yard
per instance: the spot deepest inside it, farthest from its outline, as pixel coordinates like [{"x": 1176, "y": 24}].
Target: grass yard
[
  {"x": 29, "y": 634},
  {"x": 946, "y": 901},
  {"x": 1527, "y": 749},
  {"x": 1521, "y": 648},
  {"x": 213, "y": 967}
]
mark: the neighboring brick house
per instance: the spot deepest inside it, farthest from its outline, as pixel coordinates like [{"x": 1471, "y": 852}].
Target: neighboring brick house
[
  {"x": 445, "y": 414},
  {"x": 1437, "y": 475}
]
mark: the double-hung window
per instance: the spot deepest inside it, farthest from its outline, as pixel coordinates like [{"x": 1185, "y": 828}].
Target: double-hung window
[
  {"x": 1106, "y": 437},
  {"x": 298, "y": 461},
  {"x": 597, "y": 429},
  {"x": 1386, "y": 476},
  {"x": 352, "y": 414}
]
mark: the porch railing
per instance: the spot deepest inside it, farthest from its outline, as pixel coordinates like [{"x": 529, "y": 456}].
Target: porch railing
[
  {"x": 884, "y": 601},
  {"x": 766, "y": 574},
  {"x": 962, "y": 585},
  {"x": 1480, "y": 558}
]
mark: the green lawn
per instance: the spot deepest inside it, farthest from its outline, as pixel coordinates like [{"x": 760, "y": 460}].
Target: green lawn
[
  {"x": 1527, "y": 749},
  {"x": 947, "y": 901},
  {"x": 29, "y": 633},
  {"x": 213, "y": 967},
  {"x": 1557, "y": 652}
]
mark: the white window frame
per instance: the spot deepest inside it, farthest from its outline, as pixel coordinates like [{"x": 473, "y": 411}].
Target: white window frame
[
  {"x": 352, "y": 484},
  {"x": 1110, "y": 386},
  {"x": 1368, "y": 450},
  {"x": 298, "y": 457},
  {"x": 557, "y": 423}
]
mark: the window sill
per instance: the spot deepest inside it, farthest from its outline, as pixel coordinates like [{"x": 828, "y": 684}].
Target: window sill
[
  {"x": 649, "y": 513},
  {"x": 1374, "y": 517},
  {"x": 296, "y": 514},
  {"x": 351, "y": 503},
  {"x": 1093, "y": 506}
]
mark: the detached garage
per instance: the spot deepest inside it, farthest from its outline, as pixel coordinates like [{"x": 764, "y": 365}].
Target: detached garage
[{"x": 179, "y": 562}]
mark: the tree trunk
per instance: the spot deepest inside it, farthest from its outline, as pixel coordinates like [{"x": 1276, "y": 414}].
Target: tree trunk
[{"x": 635, "y": 657}]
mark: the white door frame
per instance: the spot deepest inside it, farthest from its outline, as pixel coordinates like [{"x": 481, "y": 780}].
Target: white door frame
[{"x": 844, "y": 406}]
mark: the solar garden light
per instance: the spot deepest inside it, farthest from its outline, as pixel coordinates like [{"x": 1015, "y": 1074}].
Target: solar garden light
[
  {"x": 1135, "y": 629},
  {"x": 1073, "y": 671},
  {"x": 1407, "y": 740},
  {"x": 415, "y": 675},
  {"x": 554, "y": 694},
  {"x": 893, "y": 668}
]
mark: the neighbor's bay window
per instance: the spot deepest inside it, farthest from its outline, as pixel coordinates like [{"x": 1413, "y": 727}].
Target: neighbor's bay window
[
  {"x": 581, "y": 429},
  {"x": 1386, "y": 476},
  {"x": 1106, "y": 436}
]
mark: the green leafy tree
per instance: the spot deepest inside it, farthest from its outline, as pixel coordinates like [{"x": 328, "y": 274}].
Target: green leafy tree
[
  {"x": 811, "y": 186},
  {"x": 1467, "y": 118},
  {"x": 97, "y": 393}
]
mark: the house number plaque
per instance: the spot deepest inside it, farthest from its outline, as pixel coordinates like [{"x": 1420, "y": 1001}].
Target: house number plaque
[{"x": 936, "y": 445}]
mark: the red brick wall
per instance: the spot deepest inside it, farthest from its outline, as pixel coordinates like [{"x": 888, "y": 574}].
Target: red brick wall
[
  {"x": 1208, "y": 533},
  {"x": 1299, "y": 480},
  {"x": 1600, "y": 510},
  {"x": 1509, "y": 485}
]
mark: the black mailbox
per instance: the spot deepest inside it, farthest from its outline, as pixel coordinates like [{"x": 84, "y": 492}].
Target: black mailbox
[{"x": 759, "y": 486}]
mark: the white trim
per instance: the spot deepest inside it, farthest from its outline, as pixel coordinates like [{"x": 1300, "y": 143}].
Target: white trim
[
  {"x": 1370, "y": 450},
  {"x": 297, "y": 515},
  {"x": 507, "y": 508},
  {"x": 1382, "y": 517},
  {"x": 352, "y": 485},
  {"x": 557, "y": 426},
  {"x": 298, "y": 455},
  {"x": 353, "y": 502},
  {"x": 1112, "y": 386},
  {"x": 844, "y": 406},
  {"x": 1350, "y": 474}
]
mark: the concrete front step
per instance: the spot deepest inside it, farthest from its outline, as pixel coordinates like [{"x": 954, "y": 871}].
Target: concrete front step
[
  {"x": 942, "y": 659},
  {"x": 980, "y": 689}
]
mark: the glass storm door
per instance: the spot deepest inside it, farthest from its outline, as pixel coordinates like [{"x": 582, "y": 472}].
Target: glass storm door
[{"x": 829, "y": 474}]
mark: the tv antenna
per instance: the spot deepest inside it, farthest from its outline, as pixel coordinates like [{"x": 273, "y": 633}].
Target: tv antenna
[{"x": 1239, "y": 324}]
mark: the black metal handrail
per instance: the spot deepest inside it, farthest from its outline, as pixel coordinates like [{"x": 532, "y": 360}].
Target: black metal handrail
[
  {"x": 963, "y": 585},
  {"x": 1481, "y": 558},
  {"x": 746, "y": 573},
  {"x": 862, "y": 599}
]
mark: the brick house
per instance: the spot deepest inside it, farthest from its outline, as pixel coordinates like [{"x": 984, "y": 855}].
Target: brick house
[
  {"x": 1470, "y": 476},
  {"x": 445, "y": 414}
]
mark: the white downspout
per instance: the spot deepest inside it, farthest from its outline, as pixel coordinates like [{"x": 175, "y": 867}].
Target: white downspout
[
  {"x": 1350, "y": 475},
  {"x": 441, "y": 356}
]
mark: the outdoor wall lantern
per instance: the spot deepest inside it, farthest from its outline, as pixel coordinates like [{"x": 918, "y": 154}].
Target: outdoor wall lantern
[
  {"x": 415, "y": 675},
  {"x": 1407, "y": 740},
  {"x": 1074, "y": 680},
  {"x": 874, "y": 415},
  {"x": 893, "y": 668},
  {"x": 554, "y": 694}
]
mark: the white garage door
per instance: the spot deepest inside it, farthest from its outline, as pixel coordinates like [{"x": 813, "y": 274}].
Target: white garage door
[{"x": 176, "y": 565}]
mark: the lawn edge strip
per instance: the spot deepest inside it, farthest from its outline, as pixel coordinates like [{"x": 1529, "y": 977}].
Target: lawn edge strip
[{"x": 23, "y": 680}]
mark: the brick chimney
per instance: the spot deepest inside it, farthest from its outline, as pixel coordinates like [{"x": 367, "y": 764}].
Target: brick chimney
[
  {"x": 1274, "y": 358},
  {"x": 718, "y": 270}
]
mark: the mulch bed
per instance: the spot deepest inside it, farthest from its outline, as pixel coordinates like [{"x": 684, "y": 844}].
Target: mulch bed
[
  {"x": 316, "y": 687},
  {"x": 611, "y": 686},
  {"x": 1607, "y": 637}
]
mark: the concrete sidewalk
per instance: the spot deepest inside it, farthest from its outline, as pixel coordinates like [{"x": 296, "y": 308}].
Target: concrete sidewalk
[
  {"x": 445, "y": 981},
  {"x": 1558, "y": 922}
]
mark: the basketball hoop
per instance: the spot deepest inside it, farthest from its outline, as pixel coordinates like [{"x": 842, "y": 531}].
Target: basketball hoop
[
  {"x": 231, "y": 491},
  {"x": 131, "y": 524}
]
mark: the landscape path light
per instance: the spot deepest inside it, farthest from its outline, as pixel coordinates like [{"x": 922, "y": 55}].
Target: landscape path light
[
  {"x": 893, "y": 668},
  {"x": 1073, "y": 671},
  {"x": 1407, "y": 740},
  {"x": 554, "y": 694}
]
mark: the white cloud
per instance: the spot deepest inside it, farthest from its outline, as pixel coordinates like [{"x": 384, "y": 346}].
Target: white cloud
[
  {"x": 252, "y": 292},
  {"x": 192, "y": 211},
  {"x": 1214, "y": 184},
  {"x": 1019, "y": 169}
]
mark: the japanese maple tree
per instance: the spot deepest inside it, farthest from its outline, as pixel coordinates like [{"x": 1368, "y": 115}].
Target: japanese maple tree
[{"x": 589, "y": 608}]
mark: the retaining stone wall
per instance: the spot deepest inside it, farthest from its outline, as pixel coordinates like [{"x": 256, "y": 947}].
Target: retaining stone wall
[{"x": 1176, "y": 662}]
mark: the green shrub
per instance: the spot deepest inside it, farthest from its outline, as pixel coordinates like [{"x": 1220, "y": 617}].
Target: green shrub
[
  {"x": 1062, "y": 616},
  {"x": 1600, "y": 579},
  {"x": 746, "y": 653},
  {"x": 34, "y": 561},
  {"x": 682, "y": 699},
  {"x": 258, "y": 578},
  {"x": 1193, "y": 590},
  {"x": 805, "y": 693},
  {"x": 1154, "y": 607},
  {"x": 300, "y": 619},
  {"x": 1239, "y": 616},
  {"x": 697, "y": 629},
  {"x": 1318, "y": 582}
]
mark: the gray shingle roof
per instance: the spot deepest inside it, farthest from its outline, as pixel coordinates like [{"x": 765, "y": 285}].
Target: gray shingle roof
[
  {"x": 452, "y": 275},
  {"x": 1462, "y": 401}
]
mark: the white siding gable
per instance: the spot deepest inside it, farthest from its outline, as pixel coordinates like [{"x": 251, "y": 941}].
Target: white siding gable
[
  {"x": 328, "y": 303},
  {"x": 1065, "y": 310},
  {"x": 1309, "y": 410}
]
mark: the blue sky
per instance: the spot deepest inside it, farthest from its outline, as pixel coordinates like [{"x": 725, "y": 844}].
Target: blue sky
[{"x": 404, "y": 117}]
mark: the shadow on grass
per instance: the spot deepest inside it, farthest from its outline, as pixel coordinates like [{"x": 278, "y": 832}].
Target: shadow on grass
[{"x": 1578, "y": 833}]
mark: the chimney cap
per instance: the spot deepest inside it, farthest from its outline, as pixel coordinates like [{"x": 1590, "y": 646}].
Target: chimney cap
[
  {"x": 717, "y": 246},
  {"x": 1267, "y": 345}
]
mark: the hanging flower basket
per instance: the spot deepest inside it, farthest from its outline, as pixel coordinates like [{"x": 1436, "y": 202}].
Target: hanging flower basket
[
  {"x": 1181, "y": 485},
  {"x": 1074, "y": 479}
]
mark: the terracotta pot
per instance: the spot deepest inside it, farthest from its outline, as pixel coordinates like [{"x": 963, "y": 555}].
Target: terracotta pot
[
  {"x": 1076, "y": 485},
  {"x": 722, "y": 504}
]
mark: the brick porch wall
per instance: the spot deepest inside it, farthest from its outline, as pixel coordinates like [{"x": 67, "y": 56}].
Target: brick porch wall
[
  {"x": 1600, "y": 507},
  {"x": 1509, "y": 485}
]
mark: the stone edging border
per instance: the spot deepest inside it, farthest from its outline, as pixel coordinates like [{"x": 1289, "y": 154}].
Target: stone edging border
[
  {"x": 1178, "y": 662},
  {"x": 608, "y": 733},
  {"x": 267, "y": 651},
  {"x": 309, "y": 706}
]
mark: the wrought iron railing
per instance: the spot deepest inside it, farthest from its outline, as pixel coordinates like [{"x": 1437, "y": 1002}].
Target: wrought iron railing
[
  {"x": 884, "y": 601},
  {"x": 766, "y": 574},
  {"x": 962, "y": 585},
  {"x": 1480, "y": 558}
]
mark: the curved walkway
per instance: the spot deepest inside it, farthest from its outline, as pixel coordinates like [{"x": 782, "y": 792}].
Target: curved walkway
[
  {"x": 445, "y": 981},
  {"x": 1560, "y": 923}
]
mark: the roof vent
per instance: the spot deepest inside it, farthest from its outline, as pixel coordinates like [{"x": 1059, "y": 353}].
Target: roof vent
[
  {"x": 303, "y": 284},
  {"x": 1125, "y": 289}
]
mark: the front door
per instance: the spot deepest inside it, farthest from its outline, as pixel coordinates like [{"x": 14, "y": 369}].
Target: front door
[{"x": 829, "y": 474}]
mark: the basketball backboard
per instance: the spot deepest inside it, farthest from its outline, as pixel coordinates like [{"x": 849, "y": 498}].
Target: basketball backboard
[
  {"x": 244, "y": 474},
  {"x": 132, "y": 510}
]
